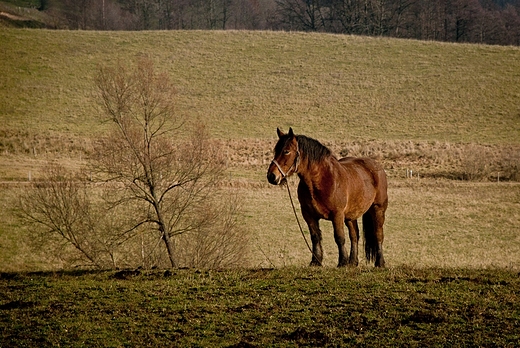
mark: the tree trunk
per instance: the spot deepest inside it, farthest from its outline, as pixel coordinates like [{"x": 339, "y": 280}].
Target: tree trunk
[
  {"x": 162, "y": 228},
  {"x": 169, "y": 246}
]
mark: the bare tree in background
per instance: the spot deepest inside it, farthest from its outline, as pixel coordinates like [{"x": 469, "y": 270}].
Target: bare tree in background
[
  {"x": 172, "y": 179},
  {"x": 305, "y": 15},
  {"x": 68, "y": 222}
]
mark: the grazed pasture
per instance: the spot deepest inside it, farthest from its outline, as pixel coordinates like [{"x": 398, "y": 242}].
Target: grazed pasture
[
  {"x": 290, "y": 307},
  {"x": 448, "y": 112},
  {"x": 414, "y": 105}
]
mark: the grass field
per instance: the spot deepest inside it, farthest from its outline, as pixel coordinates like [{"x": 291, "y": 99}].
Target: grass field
[
  {"x": 429, "y": 224},
  {"x": 290, "y": 307},
  {"x": 337, "y": 87},
  {"x": 420, "y": 105},
  {"x": 448, "y": 112}
]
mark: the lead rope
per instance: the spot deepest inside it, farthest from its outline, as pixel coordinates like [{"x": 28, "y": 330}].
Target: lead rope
[{"x": 298, "y": 221}]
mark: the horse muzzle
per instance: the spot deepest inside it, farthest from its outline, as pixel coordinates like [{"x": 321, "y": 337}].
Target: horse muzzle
[{"x": 273, "y": 178}]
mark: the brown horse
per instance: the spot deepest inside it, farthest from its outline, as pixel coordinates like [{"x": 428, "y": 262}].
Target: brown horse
[{"x": 338, "y": 190}]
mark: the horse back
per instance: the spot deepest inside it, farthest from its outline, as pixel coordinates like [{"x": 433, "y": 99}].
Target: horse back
[{"x": 370, "y": 172}]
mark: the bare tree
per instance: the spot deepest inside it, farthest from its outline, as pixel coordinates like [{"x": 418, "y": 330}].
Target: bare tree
[
  {"x": 302, "y": 14},
  {"x": 63, "y": 209},
  {"x": 159, "y": 186},
  {"x": 349, "y": 16},
  {"x": 170, "y": 177}
]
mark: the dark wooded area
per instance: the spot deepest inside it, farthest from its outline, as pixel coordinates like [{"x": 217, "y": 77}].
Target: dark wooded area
[{"x": 476, "y": 21}]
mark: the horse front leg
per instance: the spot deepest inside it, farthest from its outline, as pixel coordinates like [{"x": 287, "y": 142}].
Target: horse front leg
[
  {"x": 339, "y": 237},
  {"x": 353, "y": 230},
  {"x": 317, "y": 250}
]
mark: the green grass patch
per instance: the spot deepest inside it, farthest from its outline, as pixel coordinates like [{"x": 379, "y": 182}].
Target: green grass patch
[{"x": 256, "y": 308}]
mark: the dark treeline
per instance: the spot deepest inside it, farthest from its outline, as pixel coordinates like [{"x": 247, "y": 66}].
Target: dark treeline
[{"x": 477, "y": 21}]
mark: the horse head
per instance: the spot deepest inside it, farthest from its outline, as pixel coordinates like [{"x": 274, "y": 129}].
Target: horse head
[{"x": 286, "y": 158}]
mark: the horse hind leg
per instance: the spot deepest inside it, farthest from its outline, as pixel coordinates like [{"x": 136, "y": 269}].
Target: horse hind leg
[
  {"x": 353, "y": 230},
  {"x": 373, "y": 221},
  {"x": 339, "y": 237}
]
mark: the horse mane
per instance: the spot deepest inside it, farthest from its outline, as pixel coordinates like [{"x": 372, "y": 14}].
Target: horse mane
[{"x": 312, "y": 148}]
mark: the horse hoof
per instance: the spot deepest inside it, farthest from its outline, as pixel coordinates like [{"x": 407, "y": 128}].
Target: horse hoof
[{"x": 315, "y": 264}]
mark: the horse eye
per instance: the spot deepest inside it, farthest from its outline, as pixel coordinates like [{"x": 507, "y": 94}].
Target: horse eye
[{"x": 287, "y": 152}]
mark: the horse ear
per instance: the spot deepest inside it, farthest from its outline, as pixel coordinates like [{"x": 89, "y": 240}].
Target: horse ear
[
  {"x": 291, "y": 133},
  {"x": 280, "y": 133}
]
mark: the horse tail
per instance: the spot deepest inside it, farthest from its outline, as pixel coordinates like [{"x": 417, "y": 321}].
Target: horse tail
[{"x": 369, "y": 230}]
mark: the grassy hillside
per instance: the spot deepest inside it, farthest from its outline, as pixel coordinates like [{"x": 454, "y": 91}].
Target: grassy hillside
[
  {"x": 336, "y": 88},
  {"x": 452, "y": 247},
  {"x": 436, "y": 108},
  {"x": 245, "y": 84}
]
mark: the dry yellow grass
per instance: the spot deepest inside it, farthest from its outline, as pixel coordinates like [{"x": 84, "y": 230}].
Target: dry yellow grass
[
  {"x": 245, "y": 84},
  {"x": 430, "y": 223},
  {"x": 424, "y": 106}
]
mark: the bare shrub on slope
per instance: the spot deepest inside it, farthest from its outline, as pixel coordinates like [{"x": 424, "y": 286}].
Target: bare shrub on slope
[{"x": 156, "y": 186}]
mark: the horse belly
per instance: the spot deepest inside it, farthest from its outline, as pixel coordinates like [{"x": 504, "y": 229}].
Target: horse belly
[
  {"x": 359, "y": 203},
  {"x": 354, "y": 214}
]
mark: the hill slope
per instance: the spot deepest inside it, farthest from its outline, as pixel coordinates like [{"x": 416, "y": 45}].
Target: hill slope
[
  {"x": 245, "y": 84},
  {"x": 416, "y": 105}
]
